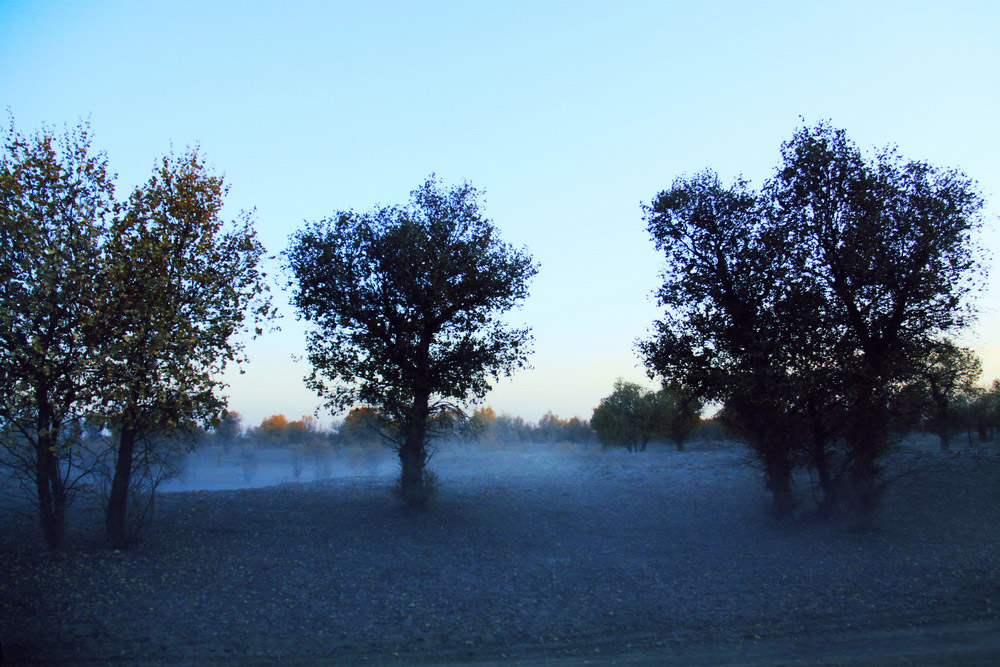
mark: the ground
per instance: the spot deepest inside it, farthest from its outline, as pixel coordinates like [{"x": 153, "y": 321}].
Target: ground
[{"x": 535, "y": 555}]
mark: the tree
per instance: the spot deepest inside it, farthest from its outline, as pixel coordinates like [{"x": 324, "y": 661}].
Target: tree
[
  {"x": 985, "y": 411},
  {"x": 725, "y": 289},
  {"x": 624, "y": 418},
  {"x": 365, "y": 426},
  {"x": 804, "y": 308},
  {"x": 550, "y": 428},
  {"x": 508, "y": 430},
  {"x": 228, "y": 430},
  {"x": 302, "y": 430},
  {"x": 272, "y": 432},
  {"x": 478, "y": 425},
  {"x": 578, "y": 430},
  {"x": 631, "y": 416},
  {"x": 675, "y": 413},
  {"x": 181, "y": 286},
  {"x": 949, "y": 373},
  {"x": 888, "y": 244},
  {"x": 405, "y": 303},
  {"x": 55, "y": 197}
]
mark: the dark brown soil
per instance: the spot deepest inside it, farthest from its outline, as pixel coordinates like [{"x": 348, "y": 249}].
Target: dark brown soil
[{"x": 527, "y": 557}]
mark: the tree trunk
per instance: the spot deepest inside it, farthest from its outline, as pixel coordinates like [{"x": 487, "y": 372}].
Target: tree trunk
[
  {"x": 51, "y": 494},
  {"x": 864, "y": 493},
  {"x": 117, "y": 512},
  {"x": 828, "y": 505},
  {"x": 48, "y": 481},
  {"x": 413, "y": 482},
  {"x": 411, "y": 476},
  {"x": 778, "y": 474},
  {"x": 944, "y": 435},
  {"x": 868, "y": 441},
  {"x": 943, "y": 418}
]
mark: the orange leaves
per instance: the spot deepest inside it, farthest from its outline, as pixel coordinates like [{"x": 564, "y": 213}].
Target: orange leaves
[{"x": 275, "y": 422}]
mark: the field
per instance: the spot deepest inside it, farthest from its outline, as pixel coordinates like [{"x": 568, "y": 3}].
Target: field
[{"x": 531, "y": 555}]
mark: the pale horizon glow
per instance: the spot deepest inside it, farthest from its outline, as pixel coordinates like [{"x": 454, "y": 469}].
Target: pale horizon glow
[{"x": 568, "y": 115}]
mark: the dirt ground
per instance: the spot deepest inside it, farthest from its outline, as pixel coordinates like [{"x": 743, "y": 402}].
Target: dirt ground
[{"x": 555, "y": 555}]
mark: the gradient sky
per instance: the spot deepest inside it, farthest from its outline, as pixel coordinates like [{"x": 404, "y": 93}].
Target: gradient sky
[{"x": 568, "y": 114}]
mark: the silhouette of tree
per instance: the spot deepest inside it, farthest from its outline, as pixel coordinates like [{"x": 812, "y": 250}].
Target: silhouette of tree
[
  {"x": 985, "y": 411},
  {"x": 405, "y": 303},
  {"x": 725, "y": 288},
  {"x": 949, "y": 374},
  {"x": 888, "y": 245},
  {"x": 675, "y": 413},
  {"x": 807, "y": 307}
]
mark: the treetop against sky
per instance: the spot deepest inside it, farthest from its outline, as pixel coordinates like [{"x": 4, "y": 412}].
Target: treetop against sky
[{"x": 567, "y": 115}]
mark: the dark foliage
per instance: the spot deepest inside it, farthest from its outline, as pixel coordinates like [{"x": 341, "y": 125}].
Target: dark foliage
[
  {"x": 405, "y": 303},
  {"x": 807, "y": 307}
]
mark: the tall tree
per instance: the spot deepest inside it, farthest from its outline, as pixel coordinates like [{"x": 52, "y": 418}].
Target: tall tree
[
  {"x": 55, "y": 197},
  {"x": 182, "y": 285},
  {"x": 405, "y": 303},
  {"x": 889, "y": 243},
  {"x": 724, "y": 287},
  {"x": 806, "y": 308}
]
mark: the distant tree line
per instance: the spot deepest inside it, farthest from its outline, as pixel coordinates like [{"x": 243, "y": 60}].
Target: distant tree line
[
  {"x": 367, "y": 427},
  {"x": 485, "y": 427}
]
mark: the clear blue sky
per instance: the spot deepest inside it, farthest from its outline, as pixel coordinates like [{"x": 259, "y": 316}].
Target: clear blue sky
[{"x": 568, "y": 114}]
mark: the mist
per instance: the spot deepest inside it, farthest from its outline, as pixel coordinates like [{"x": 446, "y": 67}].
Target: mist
[
  {"x": 248, "y": 467},
  {"x": 530, "y": 551}
]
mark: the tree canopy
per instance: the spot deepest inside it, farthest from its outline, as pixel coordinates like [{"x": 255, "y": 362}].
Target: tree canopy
[
  {"x": 56, "y": 197},
  {"x": 807, "y": 305},
  {"x": 405, "y": 303},
  {"x": 116, "y": 315}
]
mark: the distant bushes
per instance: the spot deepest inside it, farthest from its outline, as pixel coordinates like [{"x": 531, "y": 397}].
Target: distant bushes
[
  {"x": 484, "y": 427},
  {"x": 632, "y": 416}
]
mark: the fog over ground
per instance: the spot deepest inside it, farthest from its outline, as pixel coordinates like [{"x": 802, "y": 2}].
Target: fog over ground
[
  {"x": 248, "y": 467},
  {"x": 533, "y": 553}
]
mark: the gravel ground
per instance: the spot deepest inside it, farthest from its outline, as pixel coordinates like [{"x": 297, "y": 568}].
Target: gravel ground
[{"x": 527, "y": 557}]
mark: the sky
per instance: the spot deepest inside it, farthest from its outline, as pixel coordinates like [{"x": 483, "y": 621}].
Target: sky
[{"x": 569, "y": 115}]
